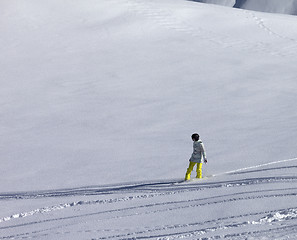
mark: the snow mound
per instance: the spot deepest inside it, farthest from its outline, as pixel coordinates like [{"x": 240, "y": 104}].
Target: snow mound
[{"x": 278, "y": 216}]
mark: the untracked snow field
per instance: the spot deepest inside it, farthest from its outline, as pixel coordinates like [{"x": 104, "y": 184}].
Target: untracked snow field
[{"x": 98, "y": 101}]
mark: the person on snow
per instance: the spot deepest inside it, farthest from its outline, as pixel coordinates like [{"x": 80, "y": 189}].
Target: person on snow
[{"x": 197, "y": 157}]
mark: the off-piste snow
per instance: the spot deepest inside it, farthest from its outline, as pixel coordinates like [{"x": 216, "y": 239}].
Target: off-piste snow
[{"x": 99, "y": 99}]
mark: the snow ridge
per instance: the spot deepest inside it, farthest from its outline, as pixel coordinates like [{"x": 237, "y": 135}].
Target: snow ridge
[{"x": 272, "y": 6}]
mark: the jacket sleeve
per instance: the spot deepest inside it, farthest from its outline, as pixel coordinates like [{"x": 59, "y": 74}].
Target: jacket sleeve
[{"x": 202, "y": 149}]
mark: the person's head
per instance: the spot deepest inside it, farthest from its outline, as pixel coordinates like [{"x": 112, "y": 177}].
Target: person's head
[{"x": 195, "y": 137}]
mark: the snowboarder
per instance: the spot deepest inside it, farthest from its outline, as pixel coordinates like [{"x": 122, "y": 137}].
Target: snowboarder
[{"x": 197, "y": 157}]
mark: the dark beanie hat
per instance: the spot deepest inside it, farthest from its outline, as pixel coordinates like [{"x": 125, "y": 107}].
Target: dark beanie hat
[{"x": 195, "y": 136}]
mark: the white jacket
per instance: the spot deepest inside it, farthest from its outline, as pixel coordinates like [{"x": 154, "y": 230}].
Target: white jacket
[{"x": 198, "y": 152}]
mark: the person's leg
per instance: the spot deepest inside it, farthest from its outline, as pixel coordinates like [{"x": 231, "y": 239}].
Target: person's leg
[
  {"x": 189, "y": 170},
  {"x": 199, "y": 170}
]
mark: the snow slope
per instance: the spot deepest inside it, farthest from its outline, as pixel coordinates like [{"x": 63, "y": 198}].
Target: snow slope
[
  {"x": 90, "y": 90},
  {"x": 98, "y": 103},
  {"x": 229, "y": 3},
  {"x": 273, "y": 6},
  {"x": 256, "y": 203}
]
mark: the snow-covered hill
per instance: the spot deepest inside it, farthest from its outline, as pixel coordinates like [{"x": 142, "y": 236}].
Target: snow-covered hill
[
  {"x": 273, "y": 6},
  {"x": 90, "y": 90},
  {"x": 98, "y": 101}
]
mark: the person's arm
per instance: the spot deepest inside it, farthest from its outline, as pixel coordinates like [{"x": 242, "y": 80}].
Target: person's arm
[{"x": 203, "y": 152}]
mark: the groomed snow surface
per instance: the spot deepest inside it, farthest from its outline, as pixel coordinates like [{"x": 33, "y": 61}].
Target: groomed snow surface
[{"x": 98, "y": 101}]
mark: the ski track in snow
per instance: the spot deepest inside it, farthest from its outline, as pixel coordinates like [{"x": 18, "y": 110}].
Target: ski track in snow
[
  {"x": 195, "y": 187},
  {"x": 261, "y": 23},
  {"x": 216, "y": 227},
  {"x": 291, "y": 47},
  {"x": 133, "y": 200},
  {"x": 166, "y": 19}
]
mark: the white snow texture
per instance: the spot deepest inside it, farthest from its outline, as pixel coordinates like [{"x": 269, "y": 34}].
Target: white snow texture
[{"x": 98, "y": 102}]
